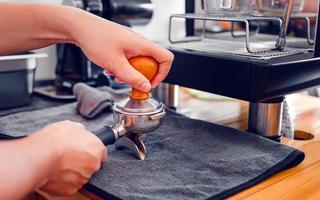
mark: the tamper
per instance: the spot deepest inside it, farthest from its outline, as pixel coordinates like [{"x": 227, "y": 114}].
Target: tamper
[{"x": 136, "y": 115}]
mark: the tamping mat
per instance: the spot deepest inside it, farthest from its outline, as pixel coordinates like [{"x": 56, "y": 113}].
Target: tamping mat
[{"x": 186, "y": 158}]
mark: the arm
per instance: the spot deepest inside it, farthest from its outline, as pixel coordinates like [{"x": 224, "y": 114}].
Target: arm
[
  {"x": 25, "y": 26},
  {"x": 109, "y": 45},
  {"x": 24, "y": 165},
  {"x": 59, "y": 159}
]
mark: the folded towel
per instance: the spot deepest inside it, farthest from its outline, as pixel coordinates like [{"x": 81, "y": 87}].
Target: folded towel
[
  {"x": 91, "y": 101},
  {"x": 287, "y": 126},
  {"x": 186, "y": 158}
]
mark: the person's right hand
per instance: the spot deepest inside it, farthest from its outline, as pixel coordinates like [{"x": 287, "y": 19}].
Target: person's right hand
[
  {"x": 111, "y": 45},
  {"x": 79, "y": 154}
]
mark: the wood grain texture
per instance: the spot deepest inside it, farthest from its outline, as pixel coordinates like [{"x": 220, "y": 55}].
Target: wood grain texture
[{"x": 302, "y": 185}]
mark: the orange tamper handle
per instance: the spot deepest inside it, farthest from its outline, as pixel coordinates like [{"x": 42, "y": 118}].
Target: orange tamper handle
[{"x": 149, "y": 68}]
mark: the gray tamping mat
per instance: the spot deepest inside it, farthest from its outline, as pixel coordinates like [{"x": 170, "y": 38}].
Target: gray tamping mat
[
  {"x": 186, "y": 159},
  {"x": 27, "y": 122},
  {"x": 36, "y": 103}
]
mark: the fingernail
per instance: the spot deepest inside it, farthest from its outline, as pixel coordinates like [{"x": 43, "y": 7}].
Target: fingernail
[{"x": 146, "y": 87}]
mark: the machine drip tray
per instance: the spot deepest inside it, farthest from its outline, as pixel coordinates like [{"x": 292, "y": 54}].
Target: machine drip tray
[{"x": 218, "y": 46}]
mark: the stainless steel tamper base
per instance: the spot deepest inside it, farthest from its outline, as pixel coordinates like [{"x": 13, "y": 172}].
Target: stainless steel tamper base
[{"x": 138, "y": 117}]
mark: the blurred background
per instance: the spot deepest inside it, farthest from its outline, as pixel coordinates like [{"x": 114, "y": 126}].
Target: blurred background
[{"x": 156, "y": 29}]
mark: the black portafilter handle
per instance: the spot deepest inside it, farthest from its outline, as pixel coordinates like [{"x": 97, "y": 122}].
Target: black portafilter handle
[{"x": 106, "y": 134}]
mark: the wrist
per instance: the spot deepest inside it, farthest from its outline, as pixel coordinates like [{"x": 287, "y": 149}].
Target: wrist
[{"x": 46, "y": 148}]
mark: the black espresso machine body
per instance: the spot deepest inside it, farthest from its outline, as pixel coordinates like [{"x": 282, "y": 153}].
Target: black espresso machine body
[
  {"x": 229, "y": 64},
  {"x": 243, "y": 78},
  {"x": 72, "y": 64}
]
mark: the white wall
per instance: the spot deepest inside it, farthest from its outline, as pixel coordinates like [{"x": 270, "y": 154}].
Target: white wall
[{"x": 157, "y": 29}]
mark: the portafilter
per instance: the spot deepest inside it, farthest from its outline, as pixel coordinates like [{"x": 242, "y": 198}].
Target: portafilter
[{"x": 137, "y": 114}]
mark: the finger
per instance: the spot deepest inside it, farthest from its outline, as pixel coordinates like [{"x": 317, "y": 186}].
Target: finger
[
  {"x": 79, "y": 124},
  {"x": 162, "y": 56},
  {"x": 118, "y": 80},
  {"x": 104, "y": 156},
  {"x": 109, "y": 72},
  {"x": 124, "y": 71}
]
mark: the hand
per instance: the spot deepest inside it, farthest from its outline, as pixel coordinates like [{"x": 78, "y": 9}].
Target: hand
[
  {"x": 79, "y": 154},
  {"x": 110, "y": 45}
]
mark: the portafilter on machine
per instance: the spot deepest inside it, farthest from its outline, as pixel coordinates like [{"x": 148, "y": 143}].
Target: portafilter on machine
[{"x": 135, "y": 115}]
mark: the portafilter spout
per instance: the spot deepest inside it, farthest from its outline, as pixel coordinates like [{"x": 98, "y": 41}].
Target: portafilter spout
[{"x": 138, "y": 114}]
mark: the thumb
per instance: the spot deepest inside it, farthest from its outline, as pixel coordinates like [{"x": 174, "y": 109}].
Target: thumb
[{"x": 130, "y": 75}]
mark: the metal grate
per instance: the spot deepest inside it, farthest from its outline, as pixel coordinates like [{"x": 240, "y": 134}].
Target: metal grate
[
  {"x": 248, "y": 39},
  {"x": 237, "y": 48}
]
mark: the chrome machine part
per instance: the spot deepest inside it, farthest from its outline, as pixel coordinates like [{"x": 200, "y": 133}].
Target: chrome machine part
[
  {"x": 134, "y": 142},
  {"x": 119, "y": 131},
  {"x": 250, "y": 43},
  {"x": 128, "y": 12},
  {"x": 265, "y": 119},
  {"x": 133, "y": 119},
  {"x": 138, "y": 107},
  {"x": 168, "y": 94},
  {"x": 146, "y": 118},
  {"x": 281, "y": 41},
  {"x": 228, "y": 7},
  {"x": 132, "y": 12}
]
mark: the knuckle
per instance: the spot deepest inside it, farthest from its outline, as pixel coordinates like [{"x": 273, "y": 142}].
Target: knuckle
[
  {"x": 66, "y": 122},
  {"x": 83, "y": 181},
  {"x": 97, "y": 166},
  {"x": 137, "y": 81},
  {"x": 70, "y": 191}
]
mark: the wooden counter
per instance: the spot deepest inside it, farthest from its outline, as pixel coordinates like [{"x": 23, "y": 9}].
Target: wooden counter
[{"x": 301, "y": 182}]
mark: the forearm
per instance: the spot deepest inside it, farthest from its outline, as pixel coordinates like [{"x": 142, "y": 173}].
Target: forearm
[
  {"x": 31, "y": 26},
  {"x": 24, "y": 165}
]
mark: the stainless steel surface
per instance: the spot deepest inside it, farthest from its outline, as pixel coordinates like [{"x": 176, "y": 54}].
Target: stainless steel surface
[
  {"x": 245, "y": 19},
  {"x": 173, "y": 96},
  {"x": 132, "y": 12},
  {"x": 138, "y": 107},
  {"x": 119, "y": 131},
  {"x": 168, "y": 94},
  {"x": 17, "y": 74},
  {"x": 135, "y": 12},
  {"x": 230, "y": 47},
  {"x": 228, "y": 6},
  {"x": 281, "y": 41},
  {"x": 139, "y": 122},
  {"x": 248, "y": 37},
  {"x": 19, "y": 62},
  {"x": 265, "y": 119},
  {"x": 278, "y": 6},
  {"x": 134, "y": 142},
  {"x": 134, "y": 118}
]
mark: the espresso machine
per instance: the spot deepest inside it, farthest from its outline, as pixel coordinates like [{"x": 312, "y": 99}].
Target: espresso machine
[
  {"x": 243, "y": 63},
  {"x": 72, "y": 64}
]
